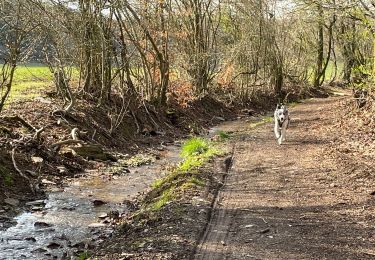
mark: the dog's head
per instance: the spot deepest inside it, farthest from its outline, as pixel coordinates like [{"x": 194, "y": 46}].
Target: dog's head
[{"x": 281, "y": 112}]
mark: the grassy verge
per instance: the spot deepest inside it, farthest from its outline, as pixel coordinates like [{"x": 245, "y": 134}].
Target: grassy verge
[{"x": 195, "y": 153}]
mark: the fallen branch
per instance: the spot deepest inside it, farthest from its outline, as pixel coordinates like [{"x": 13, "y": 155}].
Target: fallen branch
[
  {"x": 21, "y": 120},
  {"x": 70, "y": 141},
  {"x": 74, "y": 133},
  {"x": 20, "y": 172}
]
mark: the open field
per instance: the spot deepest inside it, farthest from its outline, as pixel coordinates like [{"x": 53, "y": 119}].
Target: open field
[{"x": 28, "y": 81}]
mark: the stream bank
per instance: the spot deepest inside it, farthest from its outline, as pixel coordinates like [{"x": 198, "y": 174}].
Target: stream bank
[{"x": 79, "y": 215}]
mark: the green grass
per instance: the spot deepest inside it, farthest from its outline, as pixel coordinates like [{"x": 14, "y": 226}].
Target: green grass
[
  {"x": 30, "y": 79},
  {"x": 197, "y": 181},
  {"x": 84, "y": 255},
  {"x": 223, "y": 135},
  {"x": 265, "y": 120},
  {"x": 195, "y": 152},
  {"x": 194, "y": 146},
  {"x": 293, "y": 104},
  {"x": 166, "y": 197},
  {"x": 33, "y": 73}
]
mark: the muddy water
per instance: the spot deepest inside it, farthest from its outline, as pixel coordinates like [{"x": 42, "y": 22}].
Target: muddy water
[{"x": 61, "y": 226}]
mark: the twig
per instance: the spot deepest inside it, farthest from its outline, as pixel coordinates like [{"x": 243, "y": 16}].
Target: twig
[
  {"x": 70, "y": 141},
  {"x": 93, "y": 135},
  {"x": 21, "y": 120},
  {"x": 20, "y": 172},
  {"x": 136, "y": 121},
  {"x": 75, "y": 133}
]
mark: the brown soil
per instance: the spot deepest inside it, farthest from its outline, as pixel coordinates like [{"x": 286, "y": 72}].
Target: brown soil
[
  {"x": 300, "y": 200},
  {"x": 143, "y": 128}
]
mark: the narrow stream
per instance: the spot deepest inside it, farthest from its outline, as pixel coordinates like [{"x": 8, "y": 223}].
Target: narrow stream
[{"x": 68, "y": 221}]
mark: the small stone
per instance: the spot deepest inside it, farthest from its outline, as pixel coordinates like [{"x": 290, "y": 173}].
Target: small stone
[
  {"x": 35, "y": 203},
  {"x": 62, "y": 169},
  {"x": 53, "y": 245},
  {"x": 333, "y": 185},
  {"x": 12, "y": 202},
  {"x": 40, "y": 224},
  {"x": 249, "y": 226},
  {"x": 45, "y": 181},
  {"x": 98, "y": 203},
  {"x": 103, "y": 216},
  {"x": 79, "y": 245},
  {"x": 39, "y": 250},
  {"x": 68, "y": 208},
  {"x": 43, "y": 100},
  {"x": 265, "y": 231},
  {"x": 37, "y": 208},
  {"x": 37, "y": 159},
  {"x": 31, "y": 239},
  {"x": 220, "y": 118},
  {"x": 97, "y": 225},
  {"x": 223, "y": 243},
  {"x": 105, "y": 221}
]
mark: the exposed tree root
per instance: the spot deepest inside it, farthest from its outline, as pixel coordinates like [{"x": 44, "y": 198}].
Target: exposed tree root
[
  {"x": 75, "y": 140},
  {"x": 20, "y": 171},
  {"x": 20, "y": 120}
]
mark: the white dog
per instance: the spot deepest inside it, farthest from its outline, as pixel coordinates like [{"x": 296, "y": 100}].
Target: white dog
[{"x": 281, "y": 117}]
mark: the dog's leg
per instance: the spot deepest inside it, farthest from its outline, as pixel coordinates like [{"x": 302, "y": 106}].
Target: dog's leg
[
  {"x": 276, "y": 129},
  {"x": 283, "y": 130}
]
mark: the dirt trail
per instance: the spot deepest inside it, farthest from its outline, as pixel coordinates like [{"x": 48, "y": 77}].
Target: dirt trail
[{"x": 282, "y": 202}]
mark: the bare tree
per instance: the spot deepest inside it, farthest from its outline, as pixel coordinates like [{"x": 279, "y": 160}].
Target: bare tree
[{"x": 16, "y": 28}]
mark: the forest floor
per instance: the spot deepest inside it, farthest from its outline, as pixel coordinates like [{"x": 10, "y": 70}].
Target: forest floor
[{"x": 310, "y": 198}]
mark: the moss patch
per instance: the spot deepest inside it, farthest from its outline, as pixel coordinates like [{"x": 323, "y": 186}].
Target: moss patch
[
  {"x": 6, "y": 175},
  {"x": 196, "y": 152}
]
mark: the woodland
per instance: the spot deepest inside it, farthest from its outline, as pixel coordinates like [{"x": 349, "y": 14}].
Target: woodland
[{"x": 94, "y": 88}]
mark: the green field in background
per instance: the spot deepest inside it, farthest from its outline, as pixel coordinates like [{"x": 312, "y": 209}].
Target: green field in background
[{"x": 28, "y": 81}]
